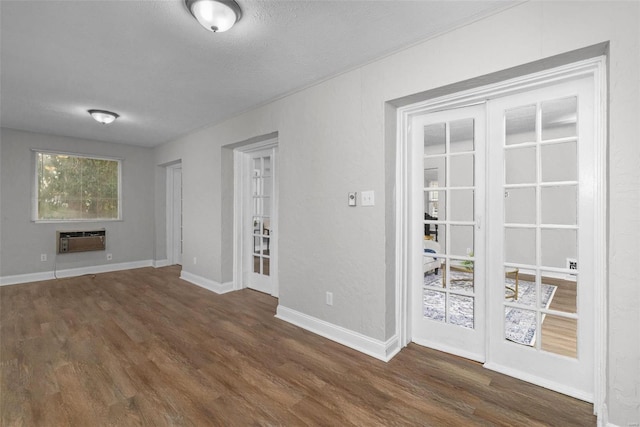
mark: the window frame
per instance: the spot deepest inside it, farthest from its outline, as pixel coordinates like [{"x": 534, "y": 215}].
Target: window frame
[{"x": 35, "y": 213}]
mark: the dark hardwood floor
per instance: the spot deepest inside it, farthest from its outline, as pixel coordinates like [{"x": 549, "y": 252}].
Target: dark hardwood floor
[{"x": 142, "y": 347}]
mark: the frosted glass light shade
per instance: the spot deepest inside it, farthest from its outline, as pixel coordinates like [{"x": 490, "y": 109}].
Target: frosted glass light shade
[
  {"x": 103, "y": 116},
  {"x": 215, "y": 15}
]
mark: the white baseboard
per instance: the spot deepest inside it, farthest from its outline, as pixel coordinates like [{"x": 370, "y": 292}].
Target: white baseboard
[
  {"x": 375, "y": 348},
  {"x": 211, "y": 285},
  {"x": 160, "y": 263},
  {"x": 26, "y": 278},
  {"x": 72, "y": 272},
  {"x": 542, "y": 382}
]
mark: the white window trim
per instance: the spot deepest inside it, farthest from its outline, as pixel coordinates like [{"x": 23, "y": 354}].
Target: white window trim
[{"x": 35, "y": 187}]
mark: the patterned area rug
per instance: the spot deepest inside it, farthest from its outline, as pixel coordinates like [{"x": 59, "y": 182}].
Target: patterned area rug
[{"x": 520, "y": 324}]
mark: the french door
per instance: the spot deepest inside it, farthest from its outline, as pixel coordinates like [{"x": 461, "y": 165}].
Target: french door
[
  {"x": 449, "y": 297},
  {"x": 259, "y": 221},
  {"x": 542, "y": 251},
  {"x": 510, "y": 283}
]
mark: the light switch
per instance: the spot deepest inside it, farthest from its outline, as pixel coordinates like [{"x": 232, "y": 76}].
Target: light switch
[
  {"x": 367, "y": 198},
  {"x": 352, "y": 199}
]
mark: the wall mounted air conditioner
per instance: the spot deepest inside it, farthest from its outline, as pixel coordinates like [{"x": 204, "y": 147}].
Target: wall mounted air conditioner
[{"x": 81, "y": 241}]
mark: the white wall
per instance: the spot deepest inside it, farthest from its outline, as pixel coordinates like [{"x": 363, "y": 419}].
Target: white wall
[
  {"x": 332, "y": 141},
  {"x": 23, "y": 240}
]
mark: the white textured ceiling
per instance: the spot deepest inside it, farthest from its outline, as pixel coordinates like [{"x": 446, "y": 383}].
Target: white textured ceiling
[{"x": 165, "y": 75}]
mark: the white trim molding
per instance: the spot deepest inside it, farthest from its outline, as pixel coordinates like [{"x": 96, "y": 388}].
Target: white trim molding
[
  {"x": 160, "y": 263},
  {"x": 382, "y": 350},
  {"x": 170, "y": 170},
  {"x": 73, "y": 272},
  {"x": 210, "y": 285}
]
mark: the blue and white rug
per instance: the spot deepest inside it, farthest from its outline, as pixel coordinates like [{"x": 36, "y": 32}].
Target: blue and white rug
[{"x": 520, "y": 324}]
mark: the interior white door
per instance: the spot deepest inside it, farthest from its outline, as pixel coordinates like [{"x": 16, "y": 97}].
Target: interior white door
[
  {"x": 260, "y": 220},
  {"x": 448, "y": 296},
  {"x": 541, "y": 159}
]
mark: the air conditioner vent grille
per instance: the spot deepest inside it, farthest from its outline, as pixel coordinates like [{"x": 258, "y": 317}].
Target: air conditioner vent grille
[{"x": 81, "y": 241}]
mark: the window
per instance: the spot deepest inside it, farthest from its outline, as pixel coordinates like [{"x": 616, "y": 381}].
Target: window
[{"x": 76, "y": 188}]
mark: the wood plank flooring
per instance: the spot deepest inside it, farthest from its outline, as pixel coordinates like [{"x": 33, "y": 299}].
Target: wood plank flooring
[{"x": 142, "y": 347}]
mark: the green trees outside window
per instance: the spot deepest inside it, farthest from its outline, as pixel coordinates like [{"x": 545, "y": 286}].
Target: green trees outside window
[{"x": 77, "y": 188}]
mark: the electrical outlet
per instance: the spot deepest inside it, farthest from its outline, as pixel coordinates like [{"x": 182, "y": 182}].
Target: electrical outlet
[
  {"x": 329, "y": 298},
  {"x": 109, "y": 257},
  {"x": 43, "y": 257}
]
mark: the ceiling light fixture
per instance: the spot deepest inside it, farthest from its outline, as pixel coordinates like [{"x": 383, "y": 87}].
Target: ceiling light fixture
[
  {"x": 215, "y": 15},
  {"x": 102, "y": 116}
]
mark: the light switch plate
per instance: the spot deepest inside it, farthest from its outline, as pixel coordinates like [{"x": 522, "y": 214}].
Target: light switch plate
[
  {"x": 367, "y": 198},
  {"x": 352, "y": 199}
]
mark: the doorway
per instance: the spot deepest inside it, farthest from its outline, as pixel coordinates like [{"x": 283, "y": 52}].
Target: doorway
[
  {"x": 256, "y": 217},
  {"x": 515, "y": 276},
  {"x": 174, "y": 214}
]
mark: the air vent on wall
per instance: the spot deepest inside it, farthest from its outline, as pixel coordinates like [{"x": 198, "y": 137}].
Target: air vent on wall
[{"x": 81, "y": 241}]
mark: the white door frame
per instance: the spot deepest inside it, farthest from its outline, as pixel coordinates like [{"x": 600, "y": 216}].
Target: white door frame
[
  {"x": 170, "y": 220},
  {"x": 594, "y": 68},
  {"x": 239, "y": 185}
]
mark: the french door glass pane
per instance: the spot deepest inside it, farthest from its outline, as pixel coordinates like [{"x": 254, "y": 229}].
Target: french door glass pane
[
  {"x": 560, "y": 205},
  {"x": 267, "y": 166},
  {"x": 563, "y": 291},
  {"x": 436, "y": 168},
  {"x": 434, "y": 139},
  {"x": 559, "y": 162},
  {"x": 519, "y": 288},
  {"x": 435, "y": 204},
  {"x": 462, "y": 205},
  {"x": 559, "y": 335},
  {"x": 461, "y": 242},
  {"x": 434, "y": 305},
  {"x": 461, "y": 276},
  {"x": 520, "y": 125},
  {"x": 520, "y": 326},
  {"x": 559, "y": 118},
  {"x": 558, "y": 245},
  {"x": 520, "y": 205},
  {"x": 520, "y": 245},
  {"x": 462, "y": 169},
  {"x": 520, "y": 165},
  {"x": 461, "y": 310},
  {"x": 461, "y": 138}
]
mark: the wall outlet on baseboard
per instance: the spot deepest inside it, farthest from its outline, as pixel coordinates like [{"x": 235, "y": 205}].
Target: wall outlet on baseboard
[
  {"x": 43, "y": 257},
  {"x": 329, "y": 298},
  {"x": 109, "y": 257}
]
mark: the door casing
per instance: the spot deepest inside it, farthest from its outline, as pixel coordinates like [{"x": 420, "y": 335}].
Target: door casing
[
  {"x": 172, "y": 223},
  {"x": 594, "y": 68},
  {"x": 239, "y": 196}
]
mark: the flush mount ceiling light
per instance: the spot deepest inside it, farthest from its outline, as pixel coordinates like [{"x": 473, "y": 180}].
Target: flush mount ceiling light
[
  {"x": 215, "y": 15},
  {"x": 102, "y": 116}
]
